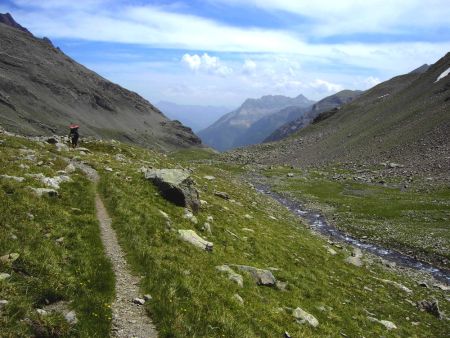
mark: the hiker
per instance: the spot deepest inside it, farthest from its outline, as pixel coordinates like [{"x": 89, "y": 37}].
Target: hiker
[{"x": 73, "y": 134}]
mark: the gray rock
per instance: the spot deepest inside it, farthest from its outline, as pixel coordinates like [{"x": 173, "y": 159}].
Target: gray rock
[
  {"x": 387, "y": 324},
  {"x": 430, "y": 307},
  {"x": 15, "y": 178},
  {"x": 396, "y": 284},
  {"x": 209, "y": 178},
  {"x": 3, "y": 303},
  {"x": 222, "y": 194},
  {"x": 147, "y": 297},
  {"x": 176, "y": 186},
  {"x": 62, "y": 147},
  {"x": 71, "y": 317},
  {"x": 4, "y": 276},
  {"x": 9, "y": 258},
  {"x": 41, "y": 312},
  {"x": 191, "y": 237},
  {"x": 290, "y": 175},
  {"x": 302, "y": 316},
  {"x": 238, "y": 298},
  {"x": 207, "y": 227},
  {"x": 70, "y": 168},
  {"x": 232, "y": 275},
  {"x": 355, "y": 258},
  {"x": 139, "y": 301},
  {"x": 45, "y": 192},
  {"x": 261, "y": 276},
  {"x": 190, "y": 216}
]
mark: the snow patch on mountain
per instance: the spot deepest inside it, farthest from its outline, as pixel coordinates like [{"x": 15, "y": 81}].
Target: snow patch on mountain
[{"x": 444, "y": 74}]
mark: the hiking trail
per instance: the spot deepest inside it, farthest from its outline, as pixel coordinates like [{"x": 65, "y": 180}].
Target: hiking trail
[{"x": 129, "y": 319}]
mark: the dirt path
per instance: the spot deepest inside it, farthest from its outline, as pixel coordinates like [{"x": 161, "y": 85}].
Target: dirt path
[{"x": 129, "y": 319}]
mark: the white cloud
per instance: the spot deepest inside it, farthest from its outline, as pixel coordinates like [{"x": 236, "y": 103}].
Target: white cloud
[
  {"x": 249, "y": 66},
  {"x": 325, "y": 86},
  {"x": 207, "y": 63},
  {"x": 331, "y": 17},
  {"x": 192, "y": 61},
  {"x": 371, "y": 81}
]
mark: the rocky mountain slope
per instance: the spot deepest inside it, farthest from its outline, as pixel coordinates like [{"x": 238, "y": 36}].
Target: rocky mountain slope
[
  {"x": 328, "y": 103},
  {"x": 194, "y": 116},
  {"x": 42, "y": 90},
  {"x": 236, "y": 128},
  {"x": 405, "y": 119}
]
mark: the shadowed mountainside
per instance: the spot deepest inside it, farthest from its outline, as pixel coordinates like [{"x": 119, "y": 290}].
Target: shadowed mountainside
[
  {"x": 328, "y": 103},
  {"x": 42, "y": 90}
]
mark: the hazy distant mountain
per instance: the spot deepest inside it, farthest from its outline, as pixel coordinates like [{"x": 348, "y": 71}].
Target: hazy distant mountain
[
  {"x": 42, "y": 90},
  {"x": 194, "y": 116},
  {"x": 231, "y": 130},
  {"x": 328, "y": 103}
]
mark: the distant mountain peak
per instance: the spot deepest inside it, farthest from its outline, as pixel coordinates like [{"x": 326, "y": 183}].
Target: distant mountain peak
[
  {"x": 422, "y": 69},
  {"x": 8, "y": 20}
]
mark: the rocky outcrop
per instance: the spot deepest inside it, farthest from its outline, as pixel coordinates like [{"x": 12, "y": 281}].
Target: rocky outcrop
[{"x": 175, "y": 185}]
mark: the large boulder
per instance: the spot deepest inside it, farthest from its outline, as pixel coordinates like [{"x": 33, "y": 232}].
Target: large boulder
[{"x": 176, "y": 186}]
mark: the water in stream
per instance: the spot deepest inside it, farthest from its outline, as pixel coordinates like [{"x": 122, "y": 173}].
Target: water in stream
[{"x": 318, "y": 223}]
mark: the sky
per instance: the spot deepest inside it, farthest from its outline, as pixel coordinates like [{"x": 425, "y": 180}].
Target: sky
[{"x": 220, "y": 52}]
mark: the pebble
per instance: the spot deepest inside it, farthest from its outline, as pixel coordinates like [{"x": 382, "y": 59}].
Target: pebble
[{"x": 139, "y": 301}]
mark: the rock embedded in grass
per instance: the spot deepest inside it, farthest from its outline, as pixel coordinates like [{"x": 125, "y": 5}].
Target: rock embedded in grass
[
  {"x": 71, "y": 317},
  {"x": 9, "y": 258},
  {"x": 430, "y": 307},
  {"x": 261, "y": 276},
  {"x": 302, "y": 316},
  {"x": 387, "y": 324},
  {"x": 45, "y": 192},
  {"x": 355, "y": 258},
  {"x": 176, "y": 186},
  {"x": 222, "y": 194},
  {"x": 4, "y": 276},
  {"x": 14, "y": 178},
  {"x": 232, "y": 275},
  {"x": 3, "y": 303},
  {"x": 238, "y": 298},
  {"x": 191, "y": 237}
]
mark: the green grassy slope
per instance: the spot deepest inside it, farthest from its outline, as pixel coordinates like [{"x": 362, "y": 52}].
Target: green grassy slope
[
  {"x": 190, "y": 298},
  {"x": 61, "y": 256}
]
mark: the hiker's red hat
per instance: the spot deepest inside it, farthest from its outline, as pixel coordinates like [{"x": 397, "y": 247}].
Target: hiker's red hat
[{"x": 73, "y": 126}]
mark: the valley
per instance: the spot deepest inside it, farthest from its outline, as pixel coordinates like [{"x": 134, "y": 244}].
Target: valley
[{"x": 286, "y": 217}]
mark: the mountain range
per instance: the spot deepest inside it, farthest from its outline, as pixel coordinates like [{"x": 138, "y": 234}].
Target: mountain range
[
  {"x": 42, "y": 91},
  {"x": 196, "y": 117},
  {"x": 237, "y": 129}
]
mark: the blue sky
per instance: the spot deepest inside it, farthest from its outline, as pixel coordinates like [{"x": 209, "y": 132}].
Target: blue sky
[{"x": 219, "y": 52}]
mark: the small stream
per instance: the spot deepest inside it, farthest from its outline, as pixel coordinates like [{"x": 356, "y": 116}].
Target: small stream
[{"x": 319, "y": 224}]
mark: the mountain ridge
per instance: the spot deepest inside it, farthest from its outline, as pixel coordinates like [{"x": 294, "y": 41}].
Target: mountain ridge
[
  {"x": 42, "y": 90},
  {"x": 231, "y": 129}
]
